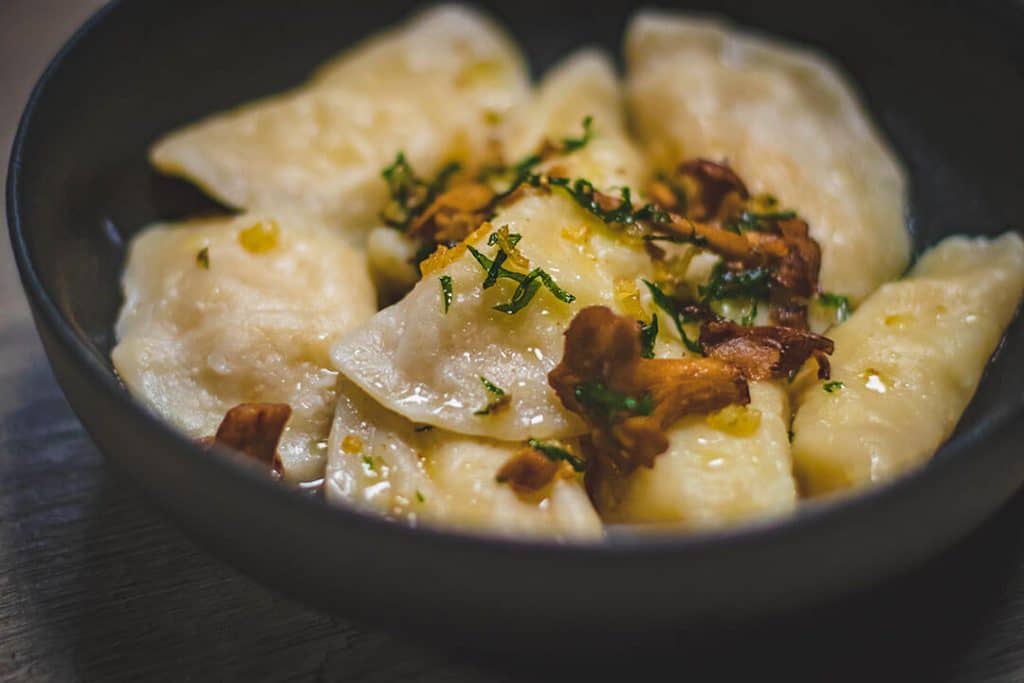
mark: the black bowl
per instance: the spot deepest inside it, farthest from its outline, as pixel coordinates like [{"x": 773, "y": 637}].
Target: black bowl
[{"x": 945, "y": 84}]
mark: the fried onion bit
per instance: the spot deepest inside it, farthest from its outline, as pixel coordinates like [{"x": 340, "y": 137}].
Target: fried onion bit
[
  {"x": 530, "y": 472},
  {"x": 629, "y": 401},
  {"x": 253, "y": 429},
  {"x": 765, "y": 352},
  {"x": 454, "y": 214}
]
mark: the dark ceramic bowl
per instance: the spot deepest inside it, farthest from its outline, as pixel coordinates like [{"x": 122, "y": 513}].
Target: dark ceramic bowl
[{"x": 945, "y": 84}]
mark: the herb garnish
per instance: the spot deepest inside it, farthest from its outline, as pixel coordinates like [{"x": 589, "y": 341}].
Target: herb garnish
[
  {"x": 596, "y": 396},
  {"x": 410, "y": 194},
  {"x": 838, "y": 302},
  {"x": 368, "y": 461},
  {"x": 665, "y": 303},
  {"x": 570, "y": 145},
  {"x": 648, "y": 335},
  {"x": 833, "y": 386},
  {"x": 529, "y": 283},
  {"x": 751, "y": 284},
  {"x": 499, "y": 398},
  {"x": 419, "y": 496},
  {"x": 446, "y": 291},
  {"x": 555, "y": 453},
  {"x": 616, "y": 211},
  {"x": 754, "y": 221},
  {"x": 522, "y": 171},
  {"x": 203, "y": 258}
]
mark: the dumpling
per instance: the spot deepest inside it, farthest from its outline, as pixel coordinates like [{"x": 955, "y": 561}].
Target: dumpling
[
  {"x": 720, "y": 469},
  {"x": 426, "y": 363},
  {"x": 909, "y": 360},
  {"x": 244, "y": 309},
  {"x": 787, "y": 122},
  {"x": 582, "y": 85},
  {"x": 427, "y": 88},
  {"x": 383, "y": 463}
]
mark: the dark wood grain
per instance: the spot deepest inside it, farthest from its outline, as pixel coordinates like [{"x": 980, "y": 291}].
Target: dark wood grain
[{"x": 95, "y": 586}]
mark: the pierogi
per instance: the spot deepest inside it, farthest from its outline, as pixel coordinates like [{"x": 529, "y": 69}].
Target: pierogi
[
  {"x": 424, "y": 362},
  {"x": 665, "y": 303},
  {"x": 431, "y": 88},
  {"x": 907, "y": 363},
  {"x": 381, "y": 462},
  {"x": 232, "y": 310},
  {"x": 782, "y": 117}
]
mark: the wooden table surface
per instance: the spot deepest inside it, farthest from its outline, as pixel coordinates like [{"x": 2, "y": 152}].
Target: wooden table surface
[{"x": 94, "y": 585}]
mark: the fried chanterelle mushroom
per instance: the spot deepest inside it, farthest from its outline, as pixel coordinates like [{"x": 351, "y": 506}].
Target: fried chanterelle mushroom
[
  {"x": 253, "y": 429},
  {"x": 764, "y": 352},
  {"x": 629, "y": 401},
  {"x": 708, "y": 204},
  {"x": 530, "y": 471}
]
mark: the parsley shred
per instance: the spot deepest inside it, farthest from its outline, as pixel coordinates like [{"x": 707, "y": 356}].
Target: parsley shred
[
  {"x": 648, "y": 335},
  {"x": 839, "y": 302},
  {"x": 499, "y": 398},
  {"x": 610, "y": 403},
  {"x": 446, "y": 291},
  {"x": 203, "y": 258},
  {"x": 556, "y": 453},
  {"x": 833, "y": 386},
  {"x": 665, "y": 303},
  {"x": 529, "y": 283}
]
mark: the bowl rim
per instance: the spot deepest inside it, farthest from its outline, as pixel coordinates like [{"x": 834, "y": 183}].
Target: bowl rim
[{"x": 807, "y": 516}]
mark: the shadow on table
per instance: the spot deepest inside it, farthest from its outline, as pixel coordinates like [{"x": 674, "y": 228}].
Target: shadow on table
[{"x": 110, "y": 590}]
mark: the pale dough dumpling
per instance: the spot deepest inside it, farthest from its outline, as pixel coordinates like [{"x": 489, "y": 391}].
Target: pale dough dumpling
[
  {"x": 256, "y": 325},
  {"x": 909, "y": 360},
  {"x": 721, "y": 469},
  {"x": 787, "y": 122},
  {"x": 583, "y": 84},
  {"x": 380, "y": 462},
  {"x": 427, "y": 88},
  {"x": 425, "y": 363}
]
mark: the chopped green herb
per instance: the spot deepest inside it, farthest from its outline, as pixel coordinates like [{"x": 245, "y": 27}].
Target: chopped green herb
[
  {"x": 410, "y": 194},
  {"x": 505, "y": 179},
  {"x": 667, "y": 304},
  {"x": 446, "y": 291},
  {"x": 624, "y": 213},
  {"x": 751, "y": 283},
  {"x": 203, "y": 258},
  {"x": 596, "y": 396},
  {"x": 648, "y": 335},
  {"x": 495, "y": 238},
  {"x": 529, "y": 283},
  {"x": 833, "y": 386},
  {"x": 498, "y": 397},
  {"x": 419, "y": 497},
  {"x": 838, "y": 302},
  {"x": 570, "y": 145},
  {"x": 554, "y": 452},
  {"x": 752, "y": 221},
  {"x": 528, "y": 287},
  {"x": 368, "y": 461},
  {"x": 751, "y": 315}
]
